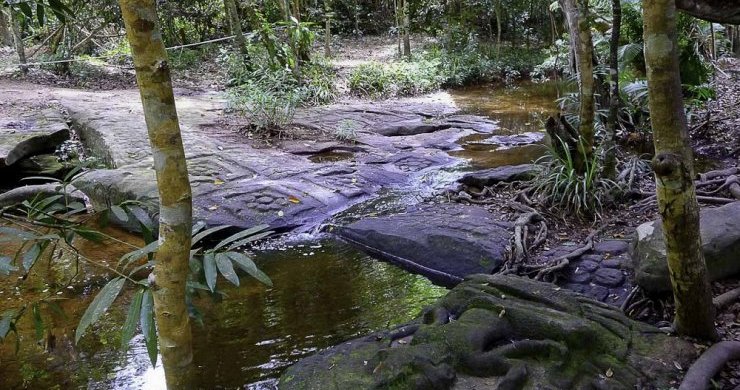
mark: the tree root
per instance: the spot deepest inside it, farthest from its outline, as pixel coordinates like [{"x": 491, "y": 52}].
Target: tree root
[
  {"x": 727, "y": 298},
  {"x": 719, "y": 173},
  {"x": 709, "y": 364}
]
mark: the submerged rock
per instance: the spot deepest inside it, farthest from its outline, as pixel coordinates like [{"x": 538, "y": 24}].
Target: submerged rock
[
  {"x": 444, "y": 242},
  {"x": 489, "y": 177},
  {"x": 502, "y": 332},
  {"x": 720, "y": 236},
  {"x": 36, "y": 133}
]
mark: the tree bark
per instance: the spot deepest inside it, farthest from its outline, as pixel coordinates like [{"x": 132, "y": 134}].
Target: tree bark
[
  {"x": 327, "y": 28},
  {"x": 577, "y": 15},
  {"x": 175, "y": 210},
  {"x": 673, "y": 166},
  {"x": 235, "y": 22},
  {"x": 610, "y": 159},
  {"x": 406, "y": 30},
  {"x": 18, "y": 39},
  {"x": 6, "y": 35}
]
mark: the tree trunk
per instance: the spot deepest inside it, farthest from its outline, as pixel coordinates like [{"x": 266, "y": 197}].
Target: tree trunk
[
  {"x": 577, "y": 16},
  {"x": 712, "y": 43},
  {"x": 673, "y": 166},
  {"x": 498, "y": 27},
  {"x": 235, "y": 22},
  {"x": 396, "y": 7},
  {"x": 406, "y": 30},
  {"x": 6, "y": 35},
  {"x": 18, "y": 39},
  {"x": 327, "y": 29},
  {"x": 175, "y": 210},
  {"x": 610, "y": 159}
]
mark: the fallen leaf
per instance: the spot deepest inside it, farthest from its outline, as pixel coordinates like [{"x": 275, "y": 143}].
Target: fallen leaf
[
  {"x": 293, "y": 199},
  {"x": 609, "y": 373},
  {"x": 214, "y": 207},
  {"x": 218, "y": 182}
]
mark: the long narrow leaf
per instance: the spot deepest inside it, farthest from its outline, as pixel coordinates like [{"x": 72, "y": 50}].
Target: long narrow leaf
[
  {"x": 240, "y": 235},
  {"x": 209, "y": 268},
  {"x": 223, "y": 262},
  {"x": 246, "y": 264},
  {"x": 208, "y": 232},
  {"x": 132, "y": 319},
  {"x": 148, "y": 326},
  {"x": 99, "y": 305}
]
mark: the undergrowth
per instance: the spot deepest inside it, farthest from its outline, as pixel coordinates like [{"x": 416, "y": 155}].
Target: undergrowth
[{"x": 559, "y": 185}]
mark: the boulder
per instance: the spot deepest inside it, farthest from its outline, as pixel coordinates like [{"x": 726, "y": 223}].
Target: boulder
[
  {"x": 36, "y": 133},
  {"x": 502, "y": 332},
  {"x": 489, "y": 177},
  {"x": 444, "y": 242},
  {"x": 720, "y": 235}
]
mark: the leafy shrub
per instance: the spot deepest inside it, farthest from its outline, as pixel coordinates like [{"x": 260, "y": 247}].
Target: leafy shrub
[
  {"x": 371, "y": 79},
  {"x": 185, "y": 58},
  {"x": 559, "y": 184},
  {"x": 347, "y": 130}
]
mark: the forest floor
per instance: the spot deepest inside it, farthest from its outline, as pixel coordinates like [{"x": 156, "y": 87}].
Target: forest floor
[{"x": 715, "y": 136}]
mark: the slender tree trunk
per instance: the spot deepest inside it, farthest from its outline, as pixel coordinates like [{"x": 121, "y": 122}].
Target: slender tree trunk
[
  {"x": 18, "y": 38},
  {"x": 327, "y": 28},
  {"x": 610, "y": 160},
  {"x": 498, "y": 27},
  {"x": 175, "y": 209},
  {"x": 712, "y": 43},
  {"x": 577, "y": 15},
  {"x": 673, "y": 166},
  {"x": 406, "y": 30},
  {"x": 235, "y": 22},
  {"x": 396, "y": 7},
  {"x": 6, "y": 35}
]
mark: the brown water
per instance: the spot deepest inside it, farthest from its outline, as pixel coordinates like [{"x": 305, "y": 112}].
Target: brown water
[
  {"x": 324, "y": 293},
  {"x": 518, "y": 110}
]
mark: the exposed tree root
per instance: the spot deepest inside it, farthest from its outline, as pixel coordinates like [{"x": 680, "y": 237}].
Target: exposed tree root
[
  {"x": 709, "y": 364},
  {"x": 727, "y": 298}
]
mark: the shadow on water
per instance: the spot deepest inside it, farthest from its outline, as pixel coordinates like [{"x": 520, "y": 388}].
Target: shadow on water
[
  {"x": 324, "y": 293},
  {"x": 521, "y": 109}
]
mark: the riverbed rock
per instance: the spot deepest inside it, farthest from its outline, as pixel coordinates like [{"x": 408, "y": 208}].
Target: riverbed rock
[
  {"x": 502, "y": 332},
  {"x": 489, "y": 177},
  {"x": 444, "y": 242},
  {"x": 35, "y": 133},
  {"x": 720, "y": 235}
]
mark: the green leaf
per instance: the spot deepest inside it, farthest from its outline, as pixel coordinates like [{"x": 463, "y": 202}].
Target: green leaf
[
  {"x": 142, "y": 216},
  {"x": 120, "y": 213},
  {"x": 5, "y": 323},
  {"x": 207, "y": 232},
  {"x": 26, "y": 9},
  {"x": 223, "y": 262},
  {"x": 249, "y": 239},
  {"x": 209, "y": 268},
  {"x": 240, "y": 235},
  {"x": 30, "y": 257},
  {"x": 148, "y": 326},
  {"x": 246, "y": 264},
  {"x": 99, "y": 305},
  {"x": 139, "y": 253},
  {"x": 88, "y": 234},
  {"x": 59, "y": 10},
  {"x": 6, "y": 266},
  {"x": 40, "y": 13},
  {"x": 132, "y": 319},
  {"x": 38, "y": 323}
]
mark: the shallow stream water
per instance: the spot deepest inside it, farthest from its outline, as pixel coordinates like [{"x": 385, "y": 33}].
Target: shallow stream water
[{"x": 325, "y": 292}]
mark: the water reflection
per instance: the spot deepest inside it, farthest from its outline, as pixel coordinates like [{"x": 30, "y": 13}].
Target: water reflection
[
  {"x": 518, "y": 110},
  {"x": 324, "y": 293}
]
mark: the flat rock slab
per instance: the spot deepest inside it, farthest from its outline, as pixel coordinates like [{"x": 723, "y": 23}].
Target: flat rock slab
[
  {"x": 35, "y": 133},
  {"x": 489, "y": 177},
  {"x": 444, "y": 242},
  {"x": 236, "y": 184},
  {"x": 502, "y": 332},
  {"x": 720, "y": 236}
]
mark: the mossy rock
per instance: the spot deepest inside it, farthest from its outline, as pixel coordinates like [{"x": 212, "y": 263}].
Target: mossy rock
[{"x": 502, "y": 332}]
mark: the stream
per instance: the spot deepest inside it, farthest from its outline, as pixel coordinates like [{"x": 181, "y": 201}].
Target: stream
[{"x": 325, "y": 291}]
